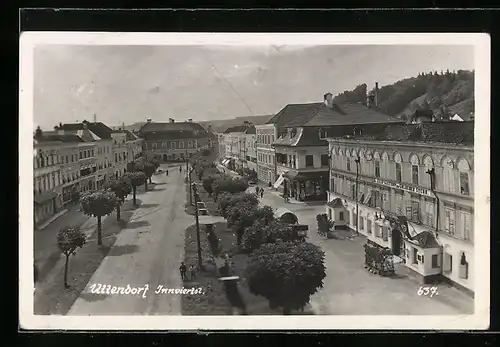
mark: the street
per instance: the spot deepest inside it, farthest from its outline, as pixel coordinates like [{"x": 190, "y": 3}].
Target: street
[
  {"x": 349, "y": 289},
  {"x": 148, "y": 251}
]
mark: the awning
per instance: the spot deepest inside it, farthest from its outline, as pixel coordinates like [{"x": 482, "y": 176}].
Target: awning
[
  {"x": 225, "y": 161},
  {"x": 311, "y": 176},
  {"x": 44, "y": 197},
  {"x": 279, "y": 181},
  {"x": 291, "y": 175}
]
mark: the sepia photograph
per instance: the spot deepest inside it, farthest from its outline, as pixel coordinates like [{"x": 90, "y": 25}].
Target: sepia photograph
[{"x": 173, "y": 181}]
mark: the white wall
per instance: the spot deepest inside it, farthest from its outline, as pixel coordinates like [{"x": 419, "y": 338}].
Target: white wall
[{"x": 455, "y": 247}]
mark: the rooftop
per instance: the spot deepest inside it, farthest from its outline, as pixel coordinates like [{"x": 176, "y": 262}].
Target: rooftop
[
  {"x": 246, "y": 129},
  {"x": 168, "y": 126},
  {"x": 319, "y": 114},
  {"x": 98, "y": 128},
  {"x": 455, "y": 133}
]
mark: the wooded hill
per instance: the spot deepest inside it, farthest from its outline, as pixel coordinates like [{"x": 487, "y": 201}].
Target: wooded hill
[{"x": 444, "y": 93}]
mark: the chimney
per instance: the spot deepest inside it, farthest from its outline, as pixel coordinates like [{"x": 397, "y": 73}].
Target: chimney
[
  {"x": 376, "y": 94},
  {"x": 148, "y": 120},
  {"x": 190, "y": 120},
  {"x": 328, "y": 99},
  {"x": 171, "y": 120}
]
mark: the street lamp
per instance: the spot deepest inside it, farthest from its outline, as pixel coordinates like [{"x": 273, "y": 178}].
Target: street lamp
[
  {"x": 357, "y": 161},
  {"x": 196, "y": 198}
]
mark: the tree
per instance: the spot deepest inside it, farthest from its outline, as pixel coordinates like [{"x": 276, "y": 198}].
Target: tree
[
  {"x": 155, "y": 163},
  {"x": 148, "y": 169},
  {"x": 259, "y": 233},
  {"x": 121, "y": 188},
  {"x": 227, "y": 201},
  {"x": 230, "y": 186},
  {"x": 324, "y": 224},
  {"x": 207, "y": 185},
  {"x": 69, "y": 239},
  {"x": 98, "y": 204},
  {"x": 286, "y": 273},
  {"x": 244, "y": 214},
  {"x": 136, "y": 179}
]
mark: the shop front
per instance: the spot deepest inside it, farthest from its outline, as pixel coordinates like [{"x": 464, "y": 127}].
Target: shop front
[
  {"x": 70, "y": 193},
  {"x": 306, "y": 186}
]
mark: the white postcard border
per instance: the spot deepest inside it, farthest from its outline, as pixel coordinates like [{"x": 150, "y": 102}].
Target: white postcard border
[{"x": 479, "y": 320}]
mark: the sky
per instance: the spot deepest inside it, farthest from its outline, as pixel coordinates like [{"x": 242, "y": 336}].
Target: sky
[{"x": 128, "y": 84}]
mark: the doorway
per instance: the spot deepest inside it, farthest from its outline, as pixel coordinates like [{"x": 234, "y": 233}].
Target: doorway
[
  {"x": 165, "y": 158},
  {"x": 396, "y": 242}
]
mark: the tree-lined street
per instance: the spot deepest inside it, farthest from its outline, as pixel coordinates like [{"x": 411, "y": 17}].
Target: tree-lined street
[{"x": 147, "y": 251}]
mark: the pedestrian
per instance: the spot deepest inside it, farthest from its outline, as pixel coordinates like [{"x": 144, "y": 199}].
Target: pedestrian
[
  {"x": 180, "y": 168},
  {"x": 182, "y": 270},
  {"x": 166, "y": 172},
  {"x": 257, "y": 191},
  {"x": 261, "y": 192},
  {"x": 192, "y": 271}
]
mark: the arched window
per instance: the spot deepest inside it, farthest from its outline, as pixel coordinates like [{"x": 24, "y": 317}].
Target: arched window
[
  {"x": 448, "y": 175},
  {"x": 376, "y": 162},
  {"x": 414, "y": 163},
  {"x": 463, "y": 171},
  {"x": 428, "y": 166},
  {"x": 398, "y": 160},
  {"x": 385, "y": 165}
]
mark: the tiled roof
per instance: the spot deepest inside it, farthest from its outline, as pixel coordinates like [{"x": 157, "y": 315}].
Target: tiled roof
[
  {"x": 425, "y": 239},
  {"x": 98, "y": 128},
  {"x": 335, "y": 203},
  {"x": 318, "y": 114},
  {"x": 247, "y": 129},
  {"x": 295, "y": 114},
  {"x": 53, "y": 136},
  {"x": 348, "y": 113},
  {"x": 130, "y": 136},
  {"x": 457, "y": 133},
  {"x": 176, "y": 126}
]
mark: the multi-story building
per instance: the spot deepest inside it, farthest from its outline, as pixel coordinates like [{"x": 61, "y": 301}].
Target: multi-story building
[
  {"x": 236, "y": 145},
  {"x": 301, "y": 149},
  {"x": 265, "y": 136},
  {"x": 88, "y": 161},
  {"x": 409, "y": 189},
  {"x": 70, "y": 167},
  {"x": 119, "y": 152},
  {"x": 134, "y": 149},
  {"x": 172, "y": 141},
  {"x": 250, "y": 152},
  {"x": 99, "y": 133},
  {"x": 46, "y": 178}
]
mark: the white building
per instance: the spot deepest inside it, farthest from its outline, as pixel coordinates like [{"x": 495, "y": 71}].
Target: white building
[
  {"x": 119, "y": 152},
  {"x": 410, "y": 189}
]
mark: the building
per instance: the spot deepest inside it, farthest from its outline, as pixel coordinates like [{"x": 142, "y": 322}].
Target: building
[
  {"x": 301, "y": 149},
  {"x": 172, "y": 141},
  {"x": 266, "y": 134},
  {"x": 120, "y": 152},
  {"x": 134, "y": 145},
  {"x": 70, "y": 166},
  {"x": 236, "y": 146},
  {"x": 46, "y": 178},
  {"x": 99, "y": 133},
  {"x": 409, "y": 189},
  {"x": 250, "y": 153}
]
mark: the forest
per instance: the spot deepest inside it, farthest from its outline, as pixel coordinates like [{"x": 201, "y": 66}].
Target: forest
[{"x": 445, "y": 93}]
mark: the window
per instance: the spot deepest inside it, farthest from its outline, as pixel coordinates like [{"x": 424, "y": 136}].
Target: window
[
  {"x": 435, "y": 261},
  {"x": 465, "y": 226},
  {"x": 324, "y": 160},
  {"x": 81, "y": 155},
  {"x": 414, "y": 174},
  {"x": 448, "y": 175},
  {"x": 385, "y": 233},
  {"x": 399, "y": 203},
  {"x": 464, "y": 183},
  {"x": 415, "y": 255},
  {"x": 415, "y": 211},
  {"x": 377, "y": 168},
  {"x": 190, "y": 144},
  {"x": 369, "y": 226},
  {"x": 322, "y": 134},
  {"x": 341, "y": 216},
  {"x": 353, "y": 191},
  {"x": 361, "y": 223},
  {"x": 398, "y": 172},
  {"x": 181, "y": 144},
  {"x": 348, "y": 164},
  {"x": 428, "y": 213},
  {"x": 464, "y": 267},
  {"x": 173, "y": 145},
  {"x": 449, "y": 224},
  {"x": 309, "y": 160}
]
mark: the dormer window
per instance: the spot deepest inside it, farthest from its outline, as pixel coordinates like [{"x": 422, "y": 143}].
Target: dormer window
[
  {"x": 293, "y": 132},
  {"x": 322, "y": 134}
]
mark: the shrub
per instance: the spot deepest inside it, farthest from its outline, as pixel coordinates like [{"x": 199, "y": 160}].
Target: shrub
[
  {"x": 324, "y": 224},
  {"x": 230, "y": 185}
]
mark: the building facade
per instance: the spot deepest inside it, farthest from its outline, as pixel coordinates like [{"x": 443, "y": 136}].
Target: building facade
[
  {"x": 301, "y": 149},
  {"x": 250, "y": 152},
  {"x": 266, "y": 134},
  {"x": 172, "y": 141},
  {"x": 70, "y": 167},
  {"x": 120, "y": 152},
  {"x": 421, "y": 175},
  {"x": 236, "y": 146},
  {"x": 88, "y": 161},
  {"x": 46, "y": 179}
]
